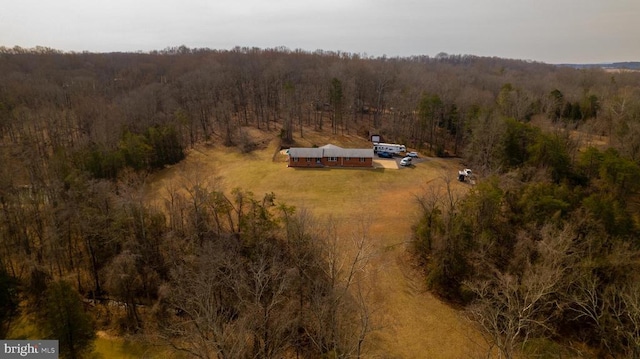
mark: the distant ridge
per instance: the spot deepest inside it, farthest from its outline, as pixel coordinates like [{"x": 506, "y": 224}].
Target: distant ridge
[{"x": 629, "y": 65}]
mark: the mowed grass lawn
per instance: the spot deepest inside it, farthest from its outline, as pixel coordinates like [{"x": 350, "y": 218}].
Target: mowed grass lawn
[{"x": 410, "y": 322}]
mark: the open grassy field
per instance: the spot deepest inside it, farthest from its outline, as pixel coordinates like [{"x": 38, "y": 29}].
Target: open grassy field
[
  {"x": 411, "y": 322},
  {"x": 106, "y": 346}
]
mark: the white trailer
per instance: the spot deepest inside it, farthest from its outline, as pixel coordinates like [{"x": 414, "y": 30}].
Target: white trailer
[{"x": 389, "y": 147}]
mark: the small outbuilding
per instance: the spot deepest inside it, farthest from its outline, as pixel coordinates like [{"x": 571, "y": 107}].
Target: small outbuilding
[{"x": 330, "y": 156}]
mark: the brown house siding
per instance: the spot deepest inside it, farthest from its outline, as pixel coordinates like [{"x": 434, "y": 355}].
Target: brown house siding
[
  {"x": 305, "y": 162},
  {"x": 348, "y": 162},
  {"x": 331, "y": 157},
  {"x": 325, "y": 162}
]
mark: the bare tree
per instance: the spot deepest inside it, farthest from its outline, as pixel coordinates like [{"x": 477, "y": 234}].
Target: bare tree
[
  {"x": 264, "y": 302},
  {"x": 629, "y": 317},
  {"x": 123, "y": 281},
  {"x": 341, "y": 309},
  {"x": 511, "y": 308},
  {"x": 589, "y": 305},
  {"x": 202, "y": 313},
  {"x": 484, "y": 142},
  {"x": 431, "y": 218}
]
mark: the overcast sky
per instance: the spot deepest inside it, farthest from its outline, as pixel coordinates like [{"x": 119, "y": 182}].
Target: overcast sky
[{"x": 552, "y": 31}]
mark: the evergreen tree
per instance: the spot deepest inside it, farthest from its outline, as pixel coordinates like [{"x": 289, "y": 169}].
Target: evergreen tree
[
  {"x": 8, "y": 301},
  {"x": 65, "y": 320}
]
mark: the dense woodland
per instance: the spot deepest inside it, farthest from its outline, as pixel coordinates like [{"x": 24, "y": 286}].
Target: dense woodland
[{"x": 545, "y": 246}]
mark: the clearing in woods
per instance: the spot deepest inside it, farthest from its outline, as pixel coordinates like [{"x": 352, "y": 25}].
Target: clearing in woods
[{"x": 410, "y": 322}]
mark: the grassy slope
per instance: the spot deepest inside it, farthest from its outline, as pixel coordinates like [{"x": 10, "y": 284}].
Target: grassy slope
[
  {"x": 111, "y": 347},
  {"x": 412, "y": 323}
]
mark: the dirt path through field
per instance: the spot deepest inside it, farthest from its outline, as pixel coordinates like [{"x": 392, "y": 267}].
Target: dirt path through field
[{"x": 419, "y": 325}]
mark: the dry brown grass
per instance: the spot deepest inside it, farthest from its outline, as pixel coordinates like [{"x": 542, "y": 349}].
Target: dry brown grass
[
  {"x": 412, "y": 323},
  {"x": 584, "y": 135}
]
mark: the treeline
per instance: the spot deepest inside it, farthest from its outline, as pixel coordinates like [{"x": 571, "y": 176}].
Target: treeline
[
  {"x": 207, "y": 274},
  {"x": 544, "y": 250},
  {"x": 51, "y": 101}
]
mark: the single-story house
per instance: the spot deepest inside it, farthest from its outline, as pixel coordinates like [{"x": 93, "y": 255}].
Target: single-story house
[{"x": 330, "y": 156}]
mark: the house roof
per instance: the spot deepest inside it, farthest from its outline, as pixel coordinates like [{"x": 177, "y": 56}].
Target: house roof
[
  {"x": 348, "y": 152},
  {"x": 305, "y": 152},
  {"x": 330, "y": 151},
  {"x": 331, "y": 147}
]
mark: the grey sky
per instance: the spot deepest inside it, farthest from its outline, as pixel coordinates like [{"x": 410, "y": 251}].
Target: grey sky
[{"x": 553, "y": 31}]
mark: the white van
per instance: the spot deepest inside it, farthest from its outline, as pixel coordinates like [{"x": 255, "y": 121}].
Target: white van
[{"x": 405, "y": 161}]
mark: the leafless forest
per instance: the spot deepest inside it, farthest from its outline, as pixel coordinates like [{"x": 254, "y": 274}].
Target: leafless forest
[{"x": 543, "y": 249}]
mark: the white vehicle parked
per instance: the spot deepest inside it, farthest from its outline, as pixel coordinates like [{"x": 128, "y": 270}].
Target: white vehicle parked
[
  {"x": 405, "y": 161},
  {"x": 464, "y": 175}
]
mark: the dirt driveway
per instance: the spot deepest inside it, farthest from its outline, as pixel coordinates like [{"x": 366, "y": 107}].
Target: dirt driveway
[
  {"x": 394, "y": 163},
  {"x": 389, "y": 163}
]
